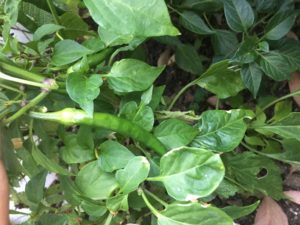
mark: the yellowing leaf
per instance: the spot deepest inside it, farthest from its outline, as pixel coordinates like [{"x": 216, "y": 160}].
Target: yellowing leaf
[{"x": 270, "y": 213}]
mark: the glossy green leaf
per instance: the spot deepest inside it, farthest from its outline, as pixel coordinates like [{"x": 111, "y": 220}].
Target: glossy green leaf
[
  {"x": 188, "y": 59},
  {"x": 222, "y": 130},
  {"x": 113, "y": 156},
  {"x": 47, "y": 163},
  {"x": 45, "y": 30},
  {"x": 84, "y": 90},
  {"x": 193, "y": 22},
  {"x": 288, "y": 127},
  {"x": 236, "y": 212},
  {"x": 252, "y": 76},
  {"x": 95, "y": 183},
  {"x": 239, "y": 14},
  {"x": 74, "y": 152},
  {"x": 124, "y": 21},
  {"x": 202, "y": 6},
  {"x": 280, "y": 24},
  {"x": 224, "y": 42},
  {"x": 221, "y": 80},
  {"x": 68, "y": 51},
  {"x": 281, "y": 110},
  {"x": 141, "y": 115},
  {"x": 118, "y": 202},
  {"x": 174, "y": 133},
  {"x": 190, "y": 173},
  {"x": 255, "y": 173},
  {"x": 130, "y": 75},
  {"x": 134, "y": 173},
  {"x": 192, "y": 214},
  {"x": 266, "y": 5},
  {"x": 275, "y": 66}
]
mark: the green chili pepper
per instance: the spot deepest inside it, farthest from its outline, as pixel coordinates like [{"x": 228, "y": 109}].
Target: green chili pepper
[
  {"x": 92, "y": 60},
  {"x": 71, "y": 116}
]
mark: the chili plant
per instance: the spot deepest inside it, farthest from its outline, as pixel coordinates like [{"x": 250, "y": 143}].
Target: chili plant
[{"x": 84, "y": 99}]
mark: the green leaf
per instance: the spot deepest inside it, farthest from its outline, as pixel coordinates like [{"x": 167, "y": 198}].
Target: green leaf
[
  {"x": 116, "y": 203},
  {"x": 32, "y": 17},
  {"x": 84, "y": 90},
  {"x": 290, "y": 50},
  {"x": 45, "y": 30},
  {"x": 147, "y": 96},
  {"x": 130, "y": 75},
  {"x": 124, "y": 21},
  {"x": 221, "y": 80},
  {"x": 68, "y": 51},
  {"x": 282, "y": 109},
  {"x": 71, "y": 192},
  {"x": 175, "y": 133},
  {"x": 252, "y": 76},
  {"x": 135, "y": 172},
  {"x": 95, "y": 183},
  {"x": 291, "y": 153},
  {"x": 246, "y": 52},
  {"x": 74, "y": 24},
  {"x": 113, "y": 156},
  {"x": 280, "y": 24},
  {"x": 236, "y": 212},
  {"x": 193, "y": 22},
  {"x": 3, "y": 100},
  {"x": 288, "y": 127},
  {"x": 54, "y": 219},
  {"x": 188, "y": 59},
  {"x": 48, "y": 164},
  {"x": 73, "y": 152},
  {"x": 224, "y": 42},
  {"x": 266, "y": 5},
  {"x": 222, "y": 130},
  {"x": 190, "y": 173},
  {"x": 239, "y": 15},
  {"x": 142, "y": 115},
  {"x": 35, "y": 188},
  {"x": 192, "y": 214},
  {"x": 92, "y": 209},
  {"x": 245, "y": 168},
  {"x": 227, "y": 189},
  {"x": 275, "y": 66},
  {"x": 202, "y": 6}
]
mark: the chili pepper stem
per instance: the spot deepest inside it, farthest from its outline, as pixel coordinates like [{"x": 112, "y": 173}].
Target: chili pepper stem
[{"x": 27, "y": 107}]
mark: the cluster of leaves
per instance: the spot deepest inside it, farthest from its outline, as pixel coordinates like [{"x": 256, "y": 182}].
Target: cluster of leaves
[{"x": 91, "y": 55}]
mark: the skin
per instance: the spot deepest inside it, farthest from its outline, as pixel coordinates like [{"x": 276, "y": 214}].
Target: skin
[{"x": 4, "y": 197}]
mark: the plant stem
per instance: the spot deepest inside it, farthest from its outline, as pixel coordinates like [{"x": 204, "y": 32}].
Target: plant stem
[
  {"x": 53, "y": 11},
  {"x": 162, "y": 202},
  {"x": 108, "y": 219},
  {"x": 12, "y": 89},
  {"x": 21, "y": 81},
  {"x": 24, "y": 109},
  {"x": 152, "y": 209},
  {"x": 21, "y": 73},
  {"x": 280, "y": 99},
  {"x": 179, "y": 94}
]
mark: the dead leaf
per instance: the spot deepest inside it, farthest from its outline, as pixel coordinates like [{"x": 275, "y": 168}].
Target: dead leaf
[
  {"x": 270, "y": 213},
  {"x": 164, "y": 57},
  {"x": 294, "y": 85},
  {"x": 293, "y": 196},
  {"x": 17, "y": 143}
]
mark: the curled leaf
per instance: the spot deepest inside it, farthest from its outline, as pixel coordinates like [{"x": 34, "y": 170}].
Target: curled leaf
[{"x": 270, "y": 213}]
